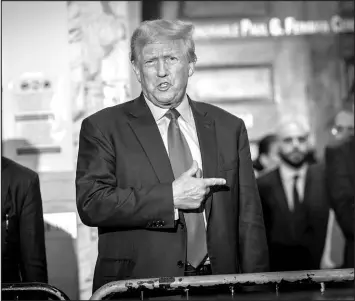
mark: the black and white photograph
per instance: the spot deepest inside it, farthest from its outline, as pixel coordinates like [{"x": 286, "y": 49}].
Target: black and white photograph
[{"x": 177, "y": 150}]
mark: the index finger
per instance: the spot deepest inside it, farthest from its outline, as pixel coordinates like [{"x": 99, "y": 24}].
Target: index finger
[{"x": 214, "y": 181}]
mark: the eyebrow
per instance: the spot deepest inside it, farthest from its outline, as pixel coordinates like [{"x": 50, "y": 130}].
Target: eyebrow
[
  {"x": 154, "y": 57},
  {"x": 295, "y": 137}
]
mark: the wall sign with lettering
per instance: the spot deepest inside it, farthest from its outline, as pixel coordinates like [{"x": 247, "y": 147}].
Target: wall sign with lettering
[{"x": 274, "y": 27}]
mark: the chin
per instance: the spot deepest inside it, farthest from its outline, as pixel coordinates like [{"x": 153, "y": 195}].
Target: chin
[
  {"x": 166, "y": 99},
  {"x": 296, "y": 158},
  {"x": 296, "y": 162}
]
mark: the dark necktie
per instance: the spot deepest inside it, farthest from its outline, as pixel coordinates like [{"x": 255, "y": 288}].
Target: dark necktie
[
  {"x": 296, "y": 227},
  {"x": 296, "y": 197},
  {"x": 181, "y": 160}
]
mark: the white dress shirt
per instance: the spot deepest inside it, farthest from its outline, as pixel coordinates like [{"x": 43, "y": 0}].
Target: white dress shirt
[
  {"x": 187, "y": 126},
  {"x": 287, "y": 176}
]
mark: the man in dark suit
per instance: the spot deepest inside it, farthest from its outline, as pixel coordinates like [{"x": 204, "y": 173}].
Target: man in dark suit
[
  {"x": 340, "y": 182},
  {"x": 168, "y": 181},
  {"x": 23, "y": 253},
  {"x": 294, "y": 201},
  {"x": 340, "y": 178}
]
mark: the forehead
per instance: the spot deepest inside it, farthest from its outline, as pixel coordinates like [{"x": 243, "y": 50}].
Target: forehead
[
  {"x": 293, "y": 130},
  {"x": 163, "y": 48}
]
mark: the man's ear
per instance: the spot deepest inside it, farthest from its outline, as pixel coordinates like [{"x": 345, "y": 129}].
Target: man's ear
[
  {"x": 136, "y": 71},
  {"x": 191, "y": 68}
]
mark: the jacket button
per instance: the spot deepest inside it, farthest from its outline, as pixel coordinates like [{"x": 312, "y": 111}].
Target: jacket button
[{"x": 180, "y": 264}]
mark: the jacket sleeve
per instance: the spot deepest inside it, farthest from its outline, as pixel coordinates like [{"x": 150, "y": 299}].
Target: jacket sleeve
[
  {"x": 252, "y": 236},
  {"x": 340, "y": 189},
  {"x": 32, "y": 239},
  {"x": 101, "y": 202}
]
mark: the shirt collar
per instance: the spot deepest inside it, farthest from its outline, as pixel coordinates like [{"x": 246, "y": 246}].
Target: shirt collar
[
  {"x": 184, "y": 109},
  {"x": 288, "y": 172}
]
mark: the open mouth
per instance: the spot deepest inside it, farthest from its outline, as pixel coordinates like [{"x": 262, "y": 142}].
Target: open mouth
[{"x": 163, "y": 86}]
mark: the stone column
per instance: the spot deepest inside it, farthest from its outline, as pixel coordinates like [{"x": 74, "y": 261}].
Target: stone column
[{"x": 99, "y": 33}]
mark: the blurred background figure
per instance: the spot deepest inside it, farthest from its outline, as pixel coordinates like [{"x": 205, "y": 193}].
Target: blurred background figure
[
  {"x": 340, "y": 176},
  {"x": 343, "y": 124},
  {"x": 340, "y": 180},
  {"x": 294, "y": 202},
  {"x": 342, "y": 129},
  {"x": 23, "y": 252},
  {"x": 268, "y": 157}
]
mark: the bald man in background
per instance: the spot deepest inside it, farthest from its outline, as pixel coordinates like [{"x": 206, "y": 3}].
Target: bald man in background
[{"x": 294, "y": 201}]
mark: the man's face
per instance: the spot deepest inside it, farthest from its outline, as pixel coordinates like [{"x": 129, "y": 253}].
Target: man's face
[
  {"x": 163, "y": 70},
  {"x": 344, "y": 125},
  {"x": 294, "y": 144}
]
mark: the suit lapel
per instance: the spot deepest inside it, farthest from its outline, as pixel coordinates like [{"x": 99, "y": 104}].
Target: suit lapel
[
  {"x": 206, "y": 133},
  {"x": 144, "y": 126},
  {"x": 308, "y": 193}
]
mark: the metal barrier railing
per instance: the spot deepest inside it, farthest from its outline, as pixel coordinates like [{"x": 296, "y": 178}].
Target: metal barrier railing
[
  {"x": 184, "y": 283},
  {"x": 18, "y": 288}
]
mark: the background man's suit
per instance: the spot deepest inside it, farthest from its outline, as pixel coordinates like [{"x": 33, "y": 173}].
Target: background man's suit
[
  {"x": 287, "y": 251},
  {"x": 22, "y": 227},
  {"x": 123, "y": 163},
  {"x": 340, "y": 176}
]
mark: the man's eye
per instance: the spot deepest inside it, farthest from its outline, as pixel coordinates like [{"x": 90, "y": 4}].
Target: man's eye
[
  {"x": 302, "y": 139},
  {"x": 150, "y": 62},
  {"x": 173, "y": 59}
]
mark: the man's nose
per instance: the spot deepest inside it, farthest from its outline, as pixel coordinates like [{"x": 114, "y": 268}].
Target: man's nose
[
  {"x": 162, "y": 69},
  {"x": 295, "y": 143}
]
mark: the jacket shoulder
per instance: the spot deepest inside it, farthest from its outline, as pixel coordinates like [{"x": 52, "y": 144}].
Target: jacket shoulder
[
  {"x": 267, "y": 178},
  {"x": 218, "y": 113},
  {"x": 17, "y": 171},
  {"x": 106, "y": 115}
]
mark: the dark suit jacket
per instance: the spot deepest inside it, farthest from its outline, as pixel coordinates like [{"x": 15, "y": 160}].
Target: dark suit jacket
[
  {"x": 124, "y": 187},
  {"x": 340, "y": 177},
  {"x": 284, "y": 251},
  {"x": 22, "y": 227}
]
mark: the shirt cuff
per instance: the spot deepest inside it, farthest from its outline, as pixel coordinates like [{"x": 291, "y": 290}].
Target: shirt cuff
[{"x": 176, "y": 214}]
